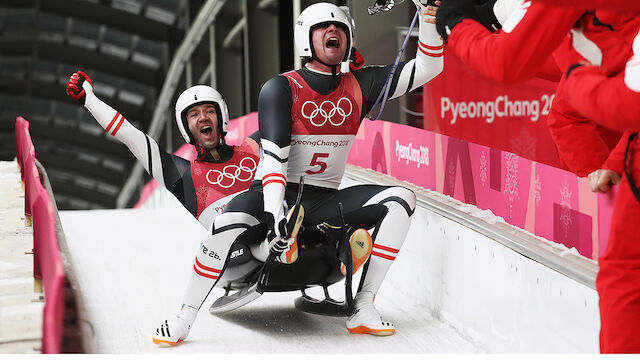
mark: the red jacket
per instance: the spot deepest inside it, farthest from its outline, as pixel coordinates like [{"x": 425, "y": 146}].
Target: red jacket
[
  {"x": 610, "y": 94},
  {"x": 582, "y": 145},
  {"x": 517, "y": 54},
  {"x": 633, "y": 5}
]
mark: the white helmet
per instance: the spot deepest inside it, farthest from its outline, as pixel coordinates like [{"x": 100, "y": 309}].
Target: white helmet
[
  {"x": 317, "y": 14},
  {"x": 197, "y": 95}
]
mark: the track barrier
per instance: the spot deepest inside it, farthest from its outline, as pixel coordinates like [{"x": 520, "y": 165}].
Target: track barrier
[{"x": 48, "y": 269}]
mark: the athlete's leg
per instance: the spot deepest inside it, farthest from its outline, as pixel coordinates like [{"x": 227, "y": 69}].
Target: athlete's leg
[
  {"x": 391, "y": 225},
  {"x": 242, "y": 220}
]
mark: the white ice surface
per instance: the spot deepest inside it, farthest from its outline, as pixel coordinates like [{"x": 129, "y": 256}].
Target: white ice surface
[{"x": 132, "y": 269}]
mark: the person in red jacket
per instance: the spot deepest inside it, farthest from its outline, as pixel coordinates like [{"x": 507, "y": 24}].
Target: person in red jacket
[
  {"x": 518, "y": 51},
  {"x": 619, "y": 5},
  {"x": 613, "y": 100},
  {"x": 610, "y": 93},
  {"x": 618, "y": 278},
  {"x": 501, "y": 56}
]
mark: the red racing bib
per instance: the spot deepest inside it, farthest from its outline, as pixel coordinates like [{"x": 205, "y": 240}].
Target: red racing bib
[{"x": 215, "y": 181}]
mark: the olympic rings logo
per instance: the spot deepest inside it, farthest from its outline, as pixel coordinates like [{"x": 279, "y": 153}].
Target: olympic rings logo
[
  {"x": 327, "y": 110},
  {"x": 230, "y": 173}
]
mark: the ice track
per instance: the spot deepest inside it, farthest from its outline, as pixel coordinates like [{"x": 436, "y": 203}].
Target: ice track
[{"x": 132, "y": 267}]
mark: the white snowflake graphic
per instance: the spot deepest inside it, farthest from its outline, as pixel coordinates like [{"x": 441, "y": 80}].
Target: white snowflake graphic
[
  {"x": 538, "y": 190},
  {"x": 197, "y": 171},
  {"x": 524, "y": 145},
  {"x": 511, "y": 179},
  {"x": 452, "y": 175},
  {"x": 565, "y": 202},
  {"x": 483, "y": 168}
]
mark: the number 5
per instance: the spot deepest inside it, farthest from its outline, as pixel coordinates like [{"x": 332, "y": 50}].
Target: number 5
[{"x": 315, "y": 161}]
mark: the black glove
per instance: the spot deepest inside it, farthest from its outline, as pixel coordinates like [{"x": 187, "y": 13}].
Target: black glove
[
  {"x": 487, "y": 17},
  {"x": 74, "y": 86},
  {"x": 451, "y": 12},
  {"x": 274, "y": 231},
  {"x": 283, "y": 246}
]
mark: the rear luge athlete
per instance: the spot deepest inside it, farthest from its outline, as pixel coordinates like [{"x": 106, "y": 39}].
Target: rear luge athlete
[{"x": 204, "y": 186}]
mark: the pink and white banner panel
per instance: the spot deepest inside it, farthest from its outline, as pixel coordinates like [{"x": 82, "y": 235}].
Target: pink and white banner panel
[{"x": 539, "y": 198}]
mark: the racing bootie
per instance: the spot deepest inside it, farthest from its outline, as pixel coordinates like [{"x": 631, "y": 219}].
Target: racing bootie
[
  {"x": 367, "y": 319},
  {"x": 361, "y": 245},
  {"x": 176, "y": 328}
]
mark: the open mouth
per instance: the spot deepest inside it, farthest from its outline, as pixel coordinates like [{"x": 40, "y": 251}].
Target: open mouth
[
  {"x": 206, "y": 130},
  {"x": 332, "y": 42}
]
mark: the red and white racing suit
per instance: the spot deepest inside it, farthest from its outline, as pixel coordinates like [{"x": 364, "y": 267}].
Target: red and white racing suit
[
  {"x": 308, "y": 122},
  {"x": 203, "y": 186}
]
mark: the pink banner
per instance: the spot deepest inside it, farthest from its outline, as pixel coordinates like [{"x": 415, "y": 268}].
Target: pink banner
[
  {"x": 240, "y": 128},
  {"x": 462, "y": 104},
  {"x": 539, "y": 198}
]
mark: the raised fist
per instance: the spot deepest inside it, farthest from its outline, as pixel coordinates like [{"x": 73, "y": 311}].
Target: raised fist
[{"x": 75, "y": 88}]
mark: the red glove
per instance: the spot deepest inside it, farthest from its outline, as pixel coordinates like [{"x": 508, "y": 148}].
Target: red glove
[
  {"x": 357, "y": 61},
  {"x": 74, "y": 86}
]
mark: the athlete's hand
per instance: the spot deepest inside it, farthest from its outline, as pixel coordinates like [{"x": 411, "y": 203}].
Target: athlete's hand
[
  {"x": 281, "y": 244},
  {"x": 428, "y": 10},
  {"x": 600, "y": 181},
  {"x": 451, "y": 12},
  {"x": 357, "y": 60},
  {"x": 75, "y": 87},
  {"x": 276, "y": 234}
]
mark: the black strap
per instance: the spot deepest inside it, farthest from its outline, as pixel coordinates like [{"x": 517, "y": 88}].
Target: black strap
[{"x": 634, "y": 188}]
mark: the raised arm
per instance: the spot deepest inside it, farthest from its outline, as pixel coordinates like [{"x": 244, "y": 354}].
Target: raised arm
[
  {"x": 613, "y": 102},
  {"x": 582, "y": 145},
  {"x": 527, "y": 39},
  {"x": 165, "y": 168},
  {"x": 428, "y": 62},
  {"x": 409, "y": 75}
]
